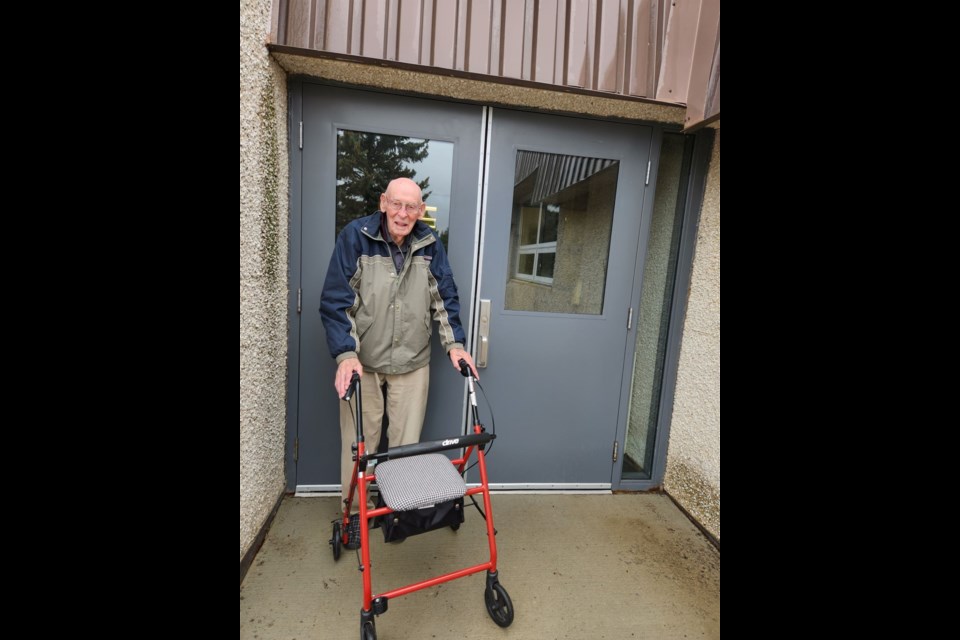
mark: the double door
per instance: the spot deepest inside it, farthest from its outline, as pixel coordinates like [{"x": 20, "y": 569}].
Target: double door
[{"x": 541, "y": 218}]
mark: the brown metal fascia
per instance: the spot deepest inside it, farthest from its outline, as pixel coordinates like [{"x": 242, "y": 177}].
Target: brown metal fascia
[
  {"x": 278, "y": 21},
  {"x": 466, "y": 75},
  {"x": 679, "y": 45},
  {"x": 700, "y": 124},
  {"x": 703, "y": 92}
]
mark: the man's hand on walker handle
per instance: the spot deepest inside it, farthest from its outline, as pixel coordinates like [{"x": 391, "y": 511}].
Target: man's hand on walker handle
[
  {"x": 459, "y": 355},
  {"x": 354, "y": 381},
  {"x": 345, "y": 371}
]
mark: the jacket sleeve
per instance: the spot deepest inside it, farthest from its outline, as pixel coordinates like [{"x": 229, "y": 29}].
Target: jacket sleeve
[
  {"x": 338, "y": 300},
  {"x": 446, "y": 301}
]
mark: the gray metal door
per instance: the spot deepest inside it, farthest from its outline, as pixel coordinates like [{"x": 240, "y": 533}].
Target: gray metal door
[
  {"x": 442, "y": 141},
  {"x": 561, "y": 230}
]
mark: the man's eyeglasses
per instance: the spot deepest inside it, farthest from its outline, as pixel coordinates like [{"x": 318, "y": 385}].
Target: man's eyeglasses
[{"x": 396, "y": 205}]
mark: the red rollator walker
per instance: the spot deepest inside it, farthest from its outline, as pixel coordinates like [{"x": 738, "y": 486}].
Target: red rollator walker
[{"x": 420, "y": 490}]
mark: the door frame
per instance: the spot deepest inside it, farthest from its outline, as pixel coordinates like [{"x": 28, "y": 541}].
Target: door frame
[
  {"x": 294, "y": 242},
  {"x": 696, "y": 182}
]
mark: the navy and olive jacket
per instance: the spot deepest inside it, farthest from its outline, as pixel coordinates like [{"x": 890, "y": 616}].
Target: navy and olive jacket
[{"x": 382, "y": 317}]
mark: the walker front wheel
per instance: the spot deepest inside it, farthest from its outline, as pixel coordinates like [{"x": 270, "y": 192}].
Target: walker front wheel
[
  {"x": 336, "y": 541},
  {"x": 499, "y": 605}
]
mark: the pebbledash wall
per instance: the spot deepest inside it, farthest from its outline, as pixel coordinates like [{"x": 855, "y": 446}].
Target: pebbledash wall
[
  {"x": 693, "y": 459},
  {"x": 264, "y": 223}
]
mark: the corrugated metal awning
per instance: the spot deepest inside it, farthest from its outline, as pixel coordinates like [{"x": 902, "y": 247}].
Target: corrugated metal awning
[{"x": 656, "y": 50}]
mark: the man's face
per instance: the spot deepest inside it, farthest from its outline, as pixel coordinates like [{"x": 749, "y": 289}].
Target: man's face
[{"x": 403, "y": 208}]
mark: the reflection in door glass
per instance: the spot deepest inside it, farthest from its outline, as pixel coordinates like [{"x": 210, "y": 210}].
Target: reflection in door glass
[
  {"x": 367, "y": 162},
  {"x": 560, "y": 232}
]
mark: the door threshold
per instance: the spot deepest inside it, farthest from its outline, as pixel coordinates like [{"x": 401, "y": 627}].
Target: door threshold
[
  {"x": 599, "y": 488},
  {"x": 555, "y": 492},
  {"x": 549, "y": 487},
  {"x": 316, "y": 490}
]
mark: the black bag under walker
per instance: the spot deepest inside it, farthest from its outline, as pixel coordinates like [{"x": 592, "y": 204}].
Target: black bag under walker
[
  {"x": 399, "y": 525},
  {"x": 425, "y": 492}
]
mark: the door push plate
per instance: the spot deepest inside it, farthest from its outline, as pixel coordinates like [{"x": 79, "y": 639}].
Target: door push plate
[{"x": 482, "y": 352}]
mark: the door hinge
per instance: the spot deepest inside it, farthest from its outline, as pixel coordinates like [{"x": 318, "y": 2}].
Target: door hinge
[
  {"x": 645, "y": 182},
  {"x": 630, "y": 319},
  {"x": 301, "y": 144},
  {"x": 296, "y": 449},
  {"x": 616, "y": 446},
  {"x": 299, "y": 299}
]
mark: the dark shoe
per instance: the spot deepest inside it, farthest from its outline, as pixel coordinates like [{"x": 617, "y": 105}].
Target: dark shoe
[{"x": 353, "y": 532}]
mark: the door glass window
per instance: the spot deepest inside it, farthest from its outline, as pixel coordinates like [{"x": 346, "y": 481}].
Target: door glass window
[
  {"x": 367, "y": 162},
  {"x": 656, "y": 300},
  {"x": 560, "y": 232}
]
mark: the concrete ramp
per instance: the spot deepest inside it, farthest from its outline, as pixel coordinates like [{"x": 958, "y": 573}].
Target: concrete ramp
[{"x": 575, "y": 566}]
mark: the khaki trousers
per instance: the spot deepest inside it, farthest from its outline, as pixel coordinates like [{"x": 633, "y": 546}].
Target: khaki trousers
[{"x": 406, "y": 405}]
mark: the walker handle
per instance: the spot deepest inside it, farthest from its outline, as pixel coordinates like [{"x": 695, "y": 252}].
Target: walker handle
[{"x": 354, "y": 381}]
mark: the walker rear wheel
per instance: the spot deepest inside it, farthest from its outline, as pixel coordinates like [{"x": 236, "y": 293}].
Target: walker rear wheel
[{"x": 499, "y": 605}]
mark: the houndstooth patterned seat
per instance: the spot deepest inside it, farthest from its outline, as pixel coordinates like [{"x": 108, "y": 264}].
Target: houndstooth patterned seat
[{"x": 418, "y": 481}]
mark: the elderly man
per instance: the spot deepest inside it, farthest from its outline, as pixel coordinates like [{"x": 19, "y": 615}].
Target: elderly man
[{"x": 388, "y": 277}]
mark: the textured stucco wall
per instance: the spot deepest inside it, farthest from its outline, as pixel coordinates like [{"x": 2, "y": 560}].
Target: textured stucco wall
[
  {"x": 488, "y": 93},
  {"x": 263, "y": 271},
  {"x": 693, "y": 457}
]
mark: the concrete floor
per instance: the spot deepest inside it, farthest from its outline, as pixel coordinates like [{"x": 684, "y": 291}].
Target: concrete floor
[{"x": 575, "y": 566}]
